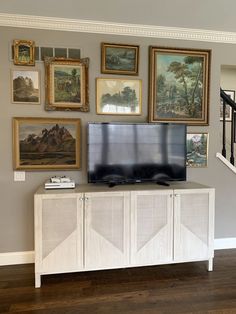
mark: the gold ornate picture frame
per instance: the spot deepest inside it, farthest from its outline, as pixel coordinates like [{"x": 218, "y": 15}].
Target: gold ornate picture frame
[
  {"x": 23, "y": 52},
  {"x": 67, "y": 84}
]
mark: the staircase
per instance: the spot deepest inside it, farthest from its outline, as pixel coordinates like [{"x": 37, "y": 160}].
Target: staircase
[{"x": 228, "y": 144}]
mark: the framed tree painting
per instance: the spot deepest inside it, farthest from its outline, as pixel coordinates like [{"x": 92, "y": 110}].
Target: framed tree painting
[
  {"x": 179, "y": 85},
  {"x": 118, "y": 96},
  {"x": 119, "y": 59},
  {"x": 46, "y": 143},
  {"x": 66, "y": 84},
  {"x": 228, "y": 110},
  {"x": 197, "y": 150},
  {"x": 25, "y": 87}
]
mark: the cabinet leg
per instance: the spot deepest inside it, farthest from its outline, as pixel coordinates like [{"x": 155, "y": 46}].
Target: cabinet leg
[
  {"x": 37, "y": 280},
  {"x": 210, "y": 264}
]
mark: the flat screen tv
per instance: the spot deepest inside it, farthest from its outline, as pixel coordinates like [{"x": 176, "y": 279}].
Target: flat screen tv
[{"x": 136, "y": 152}]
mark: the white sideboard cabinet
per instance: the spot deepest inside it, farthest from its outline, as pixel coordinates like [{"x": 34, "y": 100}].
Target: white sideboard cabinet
[{"x": 95, "y": 227}]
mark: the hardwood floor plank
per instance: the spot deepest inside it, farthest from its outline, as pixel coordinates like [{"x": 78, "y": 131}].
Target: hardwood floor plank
[{"x": 165, "y": 289}]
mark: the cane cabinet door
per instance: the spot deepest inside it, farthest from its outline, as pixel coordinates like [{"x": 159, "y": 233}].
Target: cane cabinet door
[
  {"x": 193, "y": 224},
  {"x": 151, "y": 227},
  {"x": 106, "y": 229},
  {"x": 59, "y": 233}
]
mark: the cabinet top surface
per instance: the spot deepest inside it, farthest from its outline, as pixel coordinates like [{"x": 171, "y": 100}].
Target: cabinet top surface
[{"x": 86, "y": 188}]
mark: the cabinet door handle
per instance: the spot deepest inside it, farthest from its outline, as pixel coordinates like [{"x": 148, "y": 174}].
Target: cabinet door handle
[
  {"x": 83, "y": 198},
  {"x": 177, "y": 195}
]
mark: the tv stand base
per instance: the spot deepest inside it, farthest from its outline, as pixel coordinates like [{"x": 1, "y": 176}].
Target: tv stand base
[
  {"x": 162, "y": 183},
  {"x": 105, "y": 227}
]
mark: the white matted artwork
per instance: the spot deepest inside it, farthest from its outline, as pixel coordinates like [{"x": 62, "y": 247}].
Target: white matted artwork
[
  {"x": 118, "y": 96},
  {"x": 197, "y": 150},
  {"x": 25, "y": 86}
]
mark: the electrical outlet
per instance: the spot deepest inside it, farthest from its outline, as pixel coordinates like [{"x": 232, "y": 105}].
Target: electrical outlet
[{"x": 19, "y": 175}]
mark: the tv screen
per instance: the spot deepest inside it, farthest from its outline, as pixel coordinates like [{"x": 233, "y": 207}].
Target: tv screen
[{"x": 138, "y": 152}]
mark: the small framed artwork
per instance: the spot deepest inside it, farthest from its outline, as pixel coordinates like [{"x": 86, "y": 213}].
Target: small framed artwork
[
  {"x": 67, "y": 84},
  {"x": 46, "y": 143},
  {"x": 25, "y": 87},
  {"x": 197, "y": 150},
  {"x": 228, "y": 110},
  {"x": 118, "y": 96},
  {"x": 24, "y": 52},
  {"x": 119, "y": 59},
  {"x": 179, "y": 85}
]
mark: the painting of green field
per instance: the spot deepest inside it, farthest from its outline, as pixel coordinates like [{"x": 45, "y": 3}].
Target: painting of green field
[{"x": 67, "y": 84}]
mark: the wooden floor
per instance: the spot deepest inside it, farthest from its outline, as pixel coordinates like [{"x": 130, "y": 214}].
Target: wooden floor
[{"x": 169, "y": 289}]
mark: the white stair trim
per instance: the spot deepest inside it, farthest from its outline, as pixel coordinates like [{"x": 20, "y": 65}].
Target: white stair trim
[
  {"x": 13, "y": 258},
  {"x": 226, "y": 162},
  {"x": 125, "y": 29}
]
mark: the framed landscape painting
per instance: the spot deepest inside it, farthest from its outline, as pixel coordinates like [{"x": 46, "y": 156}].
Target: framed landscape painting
[
  {"x": 118, "y": 96},
  {"x": 228, "y": 110},
  {"x": 25, "y": 87},
  {"x": 119, "y": 59},
  {"x": 197, "y": 150},
  {"x": 46, "y": 143},
  {"x": 179, "y": 85},
  {"x": 66, "y": 84},
  {"x": 24, "y": 52}
]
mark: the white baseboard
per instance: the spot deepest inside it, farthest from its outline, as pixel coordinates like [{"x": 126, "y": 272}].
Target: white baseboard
[
  {"x": 13, "y": 258},
  {"x": 225, "y": 243}
]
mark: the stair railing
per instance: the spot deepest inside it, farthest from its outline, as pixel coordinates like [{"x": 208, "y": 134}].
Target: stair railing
[{"x": 226, "y": 100}]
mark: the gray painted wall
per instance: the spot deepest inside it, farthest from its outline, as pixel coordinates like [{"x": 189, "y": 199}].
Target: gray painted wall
[
  {"x": 16, "y": 207},
  {"x": 208, "y": 14}
]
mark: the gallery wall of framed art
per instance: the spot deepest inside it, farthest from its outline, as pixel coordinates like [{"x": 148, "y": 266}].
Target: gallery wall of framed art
[
  {"x": 30, "y": 102},
  {"x": 178, "y": 88}
]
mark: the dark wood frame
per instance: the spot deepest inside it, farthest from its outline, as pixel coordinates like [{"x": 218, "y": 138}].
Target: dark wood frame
[
  {"x": 105, "y": 70},
  {"x": 205, "y": 56}
]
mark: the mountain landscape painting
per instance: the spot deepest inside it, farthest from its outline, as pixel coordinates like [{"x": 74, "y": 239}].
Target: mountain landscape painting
[{"x": 46, "y": 143}]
